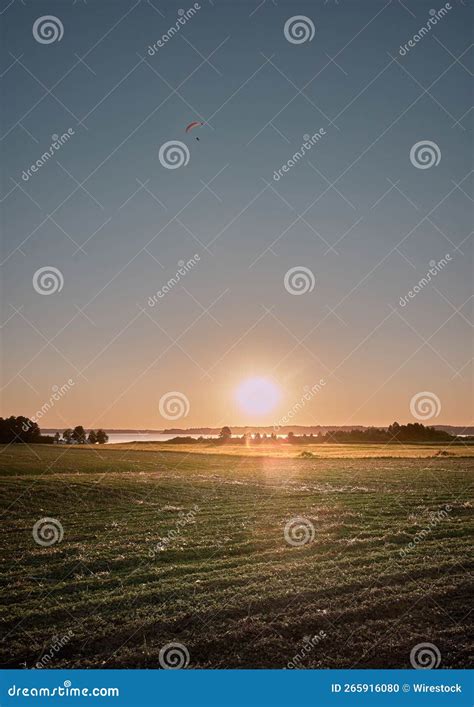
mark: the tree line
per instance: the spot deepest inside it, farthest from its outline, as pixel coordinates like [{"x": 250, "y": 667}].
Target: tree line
[
  {"x": 412, "y": 432},
  {"x": 22, "y": 429},
  {"x": 395, "y": 433}
]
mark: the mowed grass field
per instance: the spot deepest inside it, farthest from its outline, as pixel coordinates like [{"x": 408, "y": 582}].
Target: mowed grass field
[
  {"x": 319, "y": 451},
  {"x": 228, "y": 585}
]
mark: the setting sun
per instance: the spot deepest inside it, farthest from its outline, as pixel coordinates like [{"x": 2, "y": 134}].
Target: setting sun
[
  {"x": 257, "y": 396},
  {"x": 236, "y": 410}
]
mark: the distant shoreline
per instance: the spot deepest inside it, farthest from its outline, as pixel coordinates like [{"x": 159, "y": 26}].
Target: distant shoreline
[{"x": 239, "y": 430}]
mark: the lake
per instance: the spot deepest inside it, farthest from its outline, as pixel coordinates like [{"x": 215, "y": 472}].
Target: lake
[{"x": 117, "y": 437}]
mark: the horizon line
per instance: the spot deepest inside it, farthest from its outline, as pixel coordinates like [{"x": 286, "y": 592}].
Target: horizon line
[{"x": 280, "y": 427}]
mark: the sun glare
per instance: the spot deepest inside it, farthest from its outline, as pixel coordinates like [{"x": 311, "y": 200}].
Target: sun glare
[{"x": 257, "y": 396}]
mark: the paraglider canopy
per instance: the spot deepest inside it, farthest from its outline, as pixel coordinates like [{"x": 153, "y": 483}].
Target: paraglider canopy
[{"x": 194, "y": 124}]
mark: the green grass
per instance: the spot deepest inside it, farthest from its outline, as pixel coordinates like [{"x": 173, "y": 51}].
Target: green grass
[{"x": 229, "y": 586}]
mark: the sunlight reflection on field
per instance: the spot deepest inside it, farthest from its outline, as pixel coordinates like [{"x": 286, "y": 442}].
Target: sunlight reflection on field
[{"x": 316, "y": 451}]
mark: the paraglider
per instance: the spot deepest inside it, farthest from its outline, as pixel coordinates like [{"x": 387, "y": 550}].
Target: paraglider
[{"x": 194, "y": 124}]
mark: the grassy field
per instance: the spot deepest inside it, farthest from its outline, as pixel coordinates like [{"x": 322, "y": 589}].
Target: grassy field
[
  {"x": 319, "y": 451},
  {"x": 226, "y": 582}
]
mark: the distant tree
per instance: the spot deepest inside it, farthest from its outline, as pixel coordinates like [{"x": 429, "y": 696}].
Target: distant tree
[
  {"x": 56, "y": 438},
  {"x": 102, "y": 437},
  {"x": 225, "y": 434},
  {"x": 79, "y": 434},
  {"x": 257, "y": 438},
  {"x": 92, "y": 438},
  {"x": 67, "y": 435},
  {"x": 291, "y": 437},
  {"x": 394, "y": 430}
]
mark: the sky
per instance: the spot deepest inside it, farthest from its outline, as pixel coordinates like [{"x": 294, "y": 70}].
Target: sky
[{"x": 296, "y": 275}]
